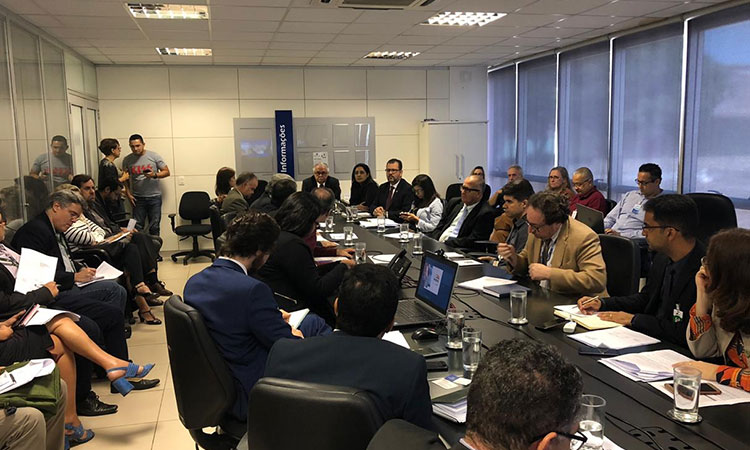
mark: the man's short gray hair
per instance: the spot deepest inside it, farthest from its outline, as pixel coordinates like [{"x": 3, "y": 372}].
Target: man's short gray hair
[
  {"x": 517, "y": 167},
  {"x": 65, "y": 198},
  {"x": 320, "y": 163},
  {"x": 275, "y": 178},
  {"x": 586, "y": 172}
]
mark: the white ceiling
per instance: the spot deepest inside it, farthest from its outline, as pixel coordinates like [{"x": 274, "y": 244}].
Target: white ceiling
[{"x": 303, "y": 32}]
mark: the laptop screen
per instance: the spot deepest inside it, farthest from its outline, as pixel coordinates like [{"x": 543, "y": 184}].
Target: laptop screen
[{"x": 436, "y": 280}]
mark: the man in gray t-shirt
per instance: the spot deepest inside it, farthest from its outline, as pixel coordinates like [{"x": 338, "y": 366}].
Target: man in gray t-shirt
[
  {"x": 145, "y": 168},
  {"x": 62, "y": 163}
]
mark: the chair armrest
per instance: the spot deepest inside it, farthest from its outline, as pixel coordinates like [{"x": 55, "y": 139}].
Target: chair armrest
[
  {"x": 91, "y": 256},
  {"x": 171, "y": 219}
]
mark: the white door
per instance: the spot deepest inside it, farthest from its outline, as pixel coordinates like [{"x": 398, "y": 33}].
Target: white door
[{"x": 84, "y": 135}]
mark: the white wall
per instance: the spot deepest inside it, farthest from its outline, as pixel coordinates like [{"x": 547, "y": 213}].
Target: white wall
[{"x": 185, "y": 113}]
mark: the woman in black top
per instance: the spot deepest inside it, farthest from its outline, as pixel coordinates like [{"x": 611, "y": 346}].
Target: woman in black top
[
  {"x": 364, "y": 188},
  {"x": 108, "y": 171}
]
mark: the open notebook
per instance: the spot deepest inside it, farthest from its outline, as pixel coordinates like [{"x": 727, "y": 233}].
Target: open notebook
[{"x": 592, "y": 322}]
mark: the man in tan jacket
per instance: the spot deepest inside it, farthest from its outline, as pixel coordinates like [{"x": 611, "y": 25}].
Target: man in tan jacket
[{"x": 561, "y": 253}]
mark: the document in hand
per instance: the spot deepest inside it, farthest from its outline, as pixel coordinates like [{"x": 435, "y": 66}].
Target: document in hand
[
  {"x": 131, "y": 225},
  {"x": 729, "y": 395},
  {"x": 34, "y": 270},
  {"x": 479, "y": 284},
  {"x": 103, "y": 272},
  {"x": 37, "y": 315},
  {"x": 297, "y": 317},
  {"x": 22, "y": 375},
  {"x": 589, "y": 322},
  {"x": 614, "y": 338},
  {"x": 645, "y": 366}
]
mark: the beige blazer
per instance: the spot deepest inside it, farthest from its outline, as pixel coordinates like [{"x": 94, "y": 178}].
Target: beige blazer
[
  {"x": 577, "y": 264},
  {"x": 715, "y": 341}
]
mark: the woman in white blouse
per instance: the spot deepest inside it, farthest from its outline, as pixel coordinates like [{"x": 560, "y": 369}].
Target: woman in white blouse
[{"x": 428, "y": 206}]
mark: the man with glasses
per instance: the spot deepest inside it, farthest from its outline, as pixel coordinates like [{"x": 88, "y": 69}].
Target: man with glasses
[
  {"x": 586, "y": 192},
  {"x": 562, "y": 253},
  {"x": 662, "y": 308},
  {"x": 320, "y": 178},
  {"x": 467, "y": 219},
  {"x": 541, "y": 413},
  {"x": 626, "y": 218},
  {"x": 395, "y": 196}
]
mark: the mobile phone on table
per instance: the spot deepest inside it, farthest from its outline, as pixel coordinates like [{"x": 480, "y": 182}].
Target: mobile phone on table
[
  {"x": 548, "y": 325},
  {"x": 437, "y": 366},
  {"x": 706, "y": 389}
]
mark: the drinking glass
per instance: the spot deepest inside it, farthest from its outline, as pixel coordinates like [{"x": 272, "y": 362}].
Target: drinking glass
[
  {"x": 381, "y": 224},
  {"x": 591, "y": 423},
  {"x": 329, "y": 223},
  {"x": 403, "y": 232},
  {"x": 687, "y": 387},
  {"x": 518, "y": 307},
  {"x": 418, "y": 243},
  {"x": 359, "y": 252},
  {"x": 351, "y": 214},
  {"x": 455, "y": 326},
  {"x": 348, "y": 236},
  {"x": 472, "y": 349}
]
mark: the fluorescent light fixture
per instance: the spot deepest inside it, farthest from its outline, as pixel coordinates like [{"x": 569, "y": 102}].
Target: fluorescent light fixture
[
  {"x": 391, "y": 55},
  {"x": 165, "y": 51},
  {"x": 167, "y": 11},
  {"x": 463, "y": 19}
]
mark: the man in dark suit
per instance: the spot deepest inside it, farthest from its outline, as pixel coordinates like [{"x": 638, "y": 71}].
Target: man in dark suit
[
  {"x": 662, "y": 308},
  {"x": 320, "y": 178},
  {"x": 395, "y": 196},
  {"x": 356, "y": 356},
  {"x": 540, "y": 414},
  {"x": 467, "y": 219},
  {"x": 236, "y": 199},
  {"x": 240, "y": 312}
]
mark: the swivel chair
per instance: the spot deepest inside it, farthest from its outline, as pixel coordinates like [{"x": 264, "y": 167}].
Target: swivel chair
[
  {"x": 622, "y": 256},
  {"x": 715, "y": 213},
  {"x": 195, "y": 207}
]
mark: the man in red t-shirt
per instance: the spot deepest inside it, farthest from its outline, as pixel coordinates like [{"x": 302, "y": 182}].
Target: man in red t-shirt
[{"x": 586, "y": 193}]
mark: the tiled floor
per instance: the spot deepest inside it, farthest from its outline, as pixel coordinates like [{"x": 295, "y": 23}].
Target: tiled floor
[{"x": 146, "y": 419}]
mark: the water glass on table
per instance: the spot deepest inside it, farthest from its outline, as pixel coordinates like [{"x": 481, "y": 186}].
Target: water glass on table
[
  {"x": 471, "y": 340},
  {"x": 403, "y": 232},
  {"x": 591, "y": 423},
  {"x": 381, "y": 224},
  {"x": 686, "y": 390},
  {"x": 351, "y": 214},
  {"x": 455, "y": 324},
  {"x": 518, "y": 307},
  {"x": 348, "y": 236},
  {"x": 359, "y": 252},
  {"x": 418, "y": 238}
]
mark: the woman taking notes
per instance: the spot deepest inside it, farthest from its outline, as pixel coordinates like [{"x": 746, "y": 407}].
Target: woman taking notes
[{"x": 427, "y": 208}]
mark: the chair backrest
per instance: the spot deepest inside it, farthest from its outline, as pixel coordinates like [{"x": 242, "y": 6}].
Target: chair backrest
[
  {"x": 715, "y": 213},
  {"x": 321, "y": 416},
  {"x": 217, "y": 226},
  {"x": 203, "y": 385},
  {"x": 622, "y": 256},
  {"x": 453, "y": 191},
  {"x": 195, "y": 206},
  {"x": 610, "y": 205}
]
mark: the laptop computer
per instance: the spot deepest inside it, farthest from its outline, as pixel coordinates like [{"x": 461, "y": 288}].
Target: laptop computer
[
  {"x": 434, "y": 289},
  {"x": 591, "y": 217}
]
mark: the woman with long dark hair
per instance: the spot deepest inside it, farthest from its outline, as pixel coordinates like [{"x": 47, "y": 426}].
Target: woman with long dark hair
[
  {"x": 224, "y": 183},
  {"x": 427, "y": 208},
  {"x": 364, "y": 188},
  {"x": 558, "y": 182},
  {"x": 108, "y": 171}
]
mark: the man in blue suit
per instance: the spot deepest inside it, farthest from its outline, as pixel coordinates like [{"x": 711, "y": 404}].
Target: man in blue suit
[{"x": 240, "y": 312}]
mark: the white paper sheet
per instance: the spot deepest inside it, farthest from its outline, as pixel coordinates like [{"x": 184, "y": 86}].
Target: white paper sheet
[
  {"x": 453, "y": 255},
  {"x": 34, "y": 270},
  {"x": 329, "y": 259},
  {"x": 729, "y": 395},
  {"x": 373, "y": 223},
  {"x": 467, "y": 262},
  {"x": 22, "y": 375},
  {"x": 397, "y": 338},
  {"x": 103, "y": 272},
  {"x": 119, "y": 237},
  {"x": 478, "y": 284},
  {"x": 340, "y": 236},
  {"x": 131, "y": 225},
  {"x": 382, "y": 259},
  {"x": 297, "y": 317},
  {"x": 43, "y": 315},
  {"x": 398, "y": 235},
  {"x": 645, "y": 366},
  {"x": 614, "y": 338}
]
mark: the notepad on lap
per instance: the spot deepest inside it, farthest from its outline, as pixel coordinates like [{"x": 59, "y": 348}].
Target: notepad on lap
[{"x": 589, "y": 322}]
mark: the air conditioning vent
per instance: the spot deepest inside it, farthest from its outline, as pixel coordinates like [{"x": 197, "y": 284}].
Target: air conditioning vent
[{"x": 372, "y": 4}]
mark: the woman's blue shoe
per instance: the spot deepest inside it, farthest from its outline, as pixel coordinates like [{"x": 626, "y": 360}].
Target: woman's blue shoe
[
  {"x": 79, "y": 435},
  {"x": 122, "y": 385}
]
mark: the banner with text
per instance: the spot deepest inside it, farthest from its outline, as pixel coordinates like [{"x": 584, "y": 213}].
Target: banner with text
[{"x": 284, "y": 143}]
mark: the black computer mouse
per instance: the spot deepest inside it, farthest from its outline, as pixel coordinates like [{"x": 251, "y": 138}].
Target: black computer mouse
[{"x": 424, "y": 334}]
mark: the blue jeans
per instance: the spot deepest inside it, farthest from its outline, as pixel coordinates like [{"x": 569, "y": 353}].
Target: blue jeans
[{"x": 148, "y": 207}]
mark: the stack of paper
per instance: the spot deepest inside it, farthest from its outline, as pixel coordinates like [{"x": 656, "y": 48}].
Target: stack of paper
[
  {"x": 373, "y": 223},
  {"x": 34, "y": 270},
  {"x": 467, "y": 262},
  {"x": 479, "y": 284},
  {"x": 729, "y": 395},
  {"x": 589, "y": 322},
  {"x": 455, "y": 412},
  {"x": 296, "y": 317},
  {"x": 385, "y": 258},
  {"x": 340, "y": 236},
  {"x": 614, "y": 338},
  {"x": 398, "y": 235},
  {"x": 103, "y": 272},
  {"x": 645, "y": 366}
]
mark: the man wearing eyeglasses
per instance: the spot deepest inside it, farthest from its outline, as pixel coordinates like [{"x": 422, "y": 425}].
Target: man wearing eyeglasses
[
  {"x": 468, "y": 218},
  {"x": 586, "y": 192},
  {"x": 394, "y": 196},
  {"x": 563, "y": 254},
  {"x": 626, "y": 218},
  {"x": 321, "y": 178},
  {"x": 545, "y": 387},
  {"x": 662, "y": 308}
]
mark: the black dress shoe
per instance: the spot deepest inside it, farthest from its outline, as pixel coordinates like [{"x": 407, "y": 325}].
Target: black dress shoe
[
  {"x": 138, "y": 385},
  {"x": 160, "y": 288},
  {"x": 128, "y": 331},
  {"x": 92, "y": 406}
]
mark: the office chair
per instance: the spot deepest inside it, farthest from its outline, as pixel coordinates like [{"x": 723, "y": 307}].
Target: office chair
[
  {"x": 453, "y": 191},
  {"x": 203, "y": 385},
  {"x": 715, "y": 213},
  {"x": 610, "y": 206},
  {"x": 321, "y": 416},
  {"x": 622, "y": 256},
  {"x": 195, "y": 207}
]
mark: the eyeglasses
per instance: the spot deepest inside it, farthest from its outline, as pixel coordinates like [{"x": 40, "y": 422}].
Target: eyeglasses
[
  {"x": 466, "y": 188},
  {"x": 652, "y": 227},
  {"x": 581, "y": 183},
  {"x": 644, "y": 183},
  {"x": 536, "y": 228},
  {"x": 576, "y": 440}
]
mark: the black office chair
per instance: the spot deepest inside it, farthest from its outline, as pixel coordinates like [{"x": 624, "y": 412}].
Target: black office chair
[
  {"x": 715, "y": 213},
  {"x": 453, "y": 191},
  {"x": 195, "y": 206},
  {"x": 218, "y": 227},
  {"x": 321, "y": 416},
  {"x": 610, "y": 205},
  {"x": 258, "y": 191},
  {"x": 203, "y": 385},
  {"x": 622, "y": 256}
]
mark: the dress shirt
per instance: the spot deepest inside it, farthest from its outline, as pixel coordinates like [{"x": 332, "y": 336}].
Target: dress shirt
[
  {"x": 550, "y": 254},
  {"x": 9, "y": 259},
  {"x": 627, "y": 216},
  {"x": 455, "y": 226},
  {"x": 69, "y": 266},
  {"x": 519, "y": 233},
  {"x": 242, "y": 266},
  {"x": 429, "y": 216}
]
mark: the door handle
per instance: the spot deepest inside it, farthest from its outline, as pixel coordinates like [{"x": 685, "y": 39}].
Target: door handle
[
  {"x": 463, "y": 167},
  {"x": 458, "y": 177}
]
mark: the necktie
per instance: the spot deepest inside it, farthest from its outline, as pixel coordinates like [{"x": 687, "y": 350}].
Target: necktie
[
  {"x": 544, "y": 256},
  {"x": 390, "y": 198}
]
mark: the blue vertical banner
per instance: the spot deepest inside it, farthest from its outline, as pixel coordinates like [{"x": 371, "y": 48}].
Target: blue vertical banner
[{"x": 284, "y": 143}]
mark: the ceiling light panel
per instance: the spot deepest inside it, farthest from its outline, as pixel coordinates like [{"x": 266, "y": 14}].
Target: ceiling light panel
[
  {"x": 167, "y": 11},
  {"x": 169, "y": 51},
  {"x": 463, "y": 19},
  {"x": 391, "y": 55}
]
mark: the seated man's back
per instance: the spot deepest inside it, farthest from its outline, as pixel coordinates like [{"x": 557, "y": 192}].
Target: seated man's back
[{"x": 356, "y": 356}]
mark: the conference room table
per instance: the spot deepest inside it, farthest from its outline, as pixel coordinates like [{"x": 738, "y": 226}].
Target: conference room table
[{"x": 633, "y": 408}]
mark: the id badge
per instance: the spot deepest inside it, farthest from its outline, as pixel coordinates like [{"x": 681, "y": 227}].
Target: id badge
[
  {"x": 637, "y": 209},
  {"x": 677, "y": 314}
]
